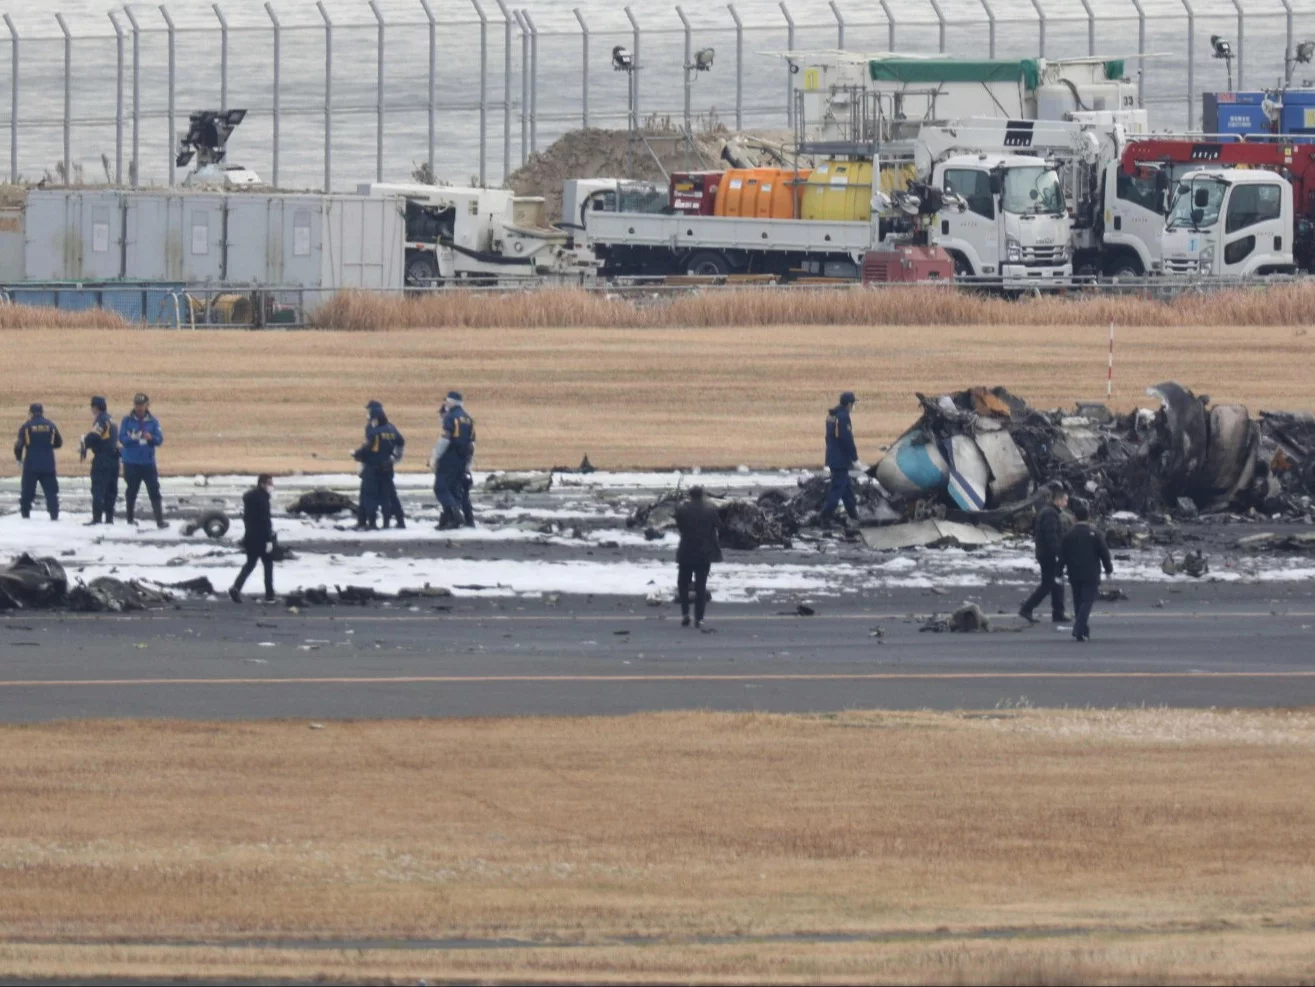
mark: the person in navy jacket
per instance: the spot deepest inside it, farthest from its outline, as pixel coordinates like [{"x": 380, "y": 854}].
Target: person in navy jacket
[
  {"x": 35, "y": 449},
  {"x": 378, "y": 455},
  {"x": 453, "y": 456},
  {"x": 139, "y": 436},
  {"x": 103, "y": 444},
  {"x": 841, "y": 458}
]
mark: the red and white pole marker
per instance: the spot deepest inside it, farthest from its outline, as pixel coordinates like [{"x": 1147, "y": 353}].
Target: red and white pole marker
[{"x": 1109, "y": 376}]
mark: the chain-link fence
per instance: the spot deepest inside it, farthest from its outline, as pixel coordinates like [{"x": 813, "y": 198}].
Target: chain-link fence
[{"x": 343, "y": 92}]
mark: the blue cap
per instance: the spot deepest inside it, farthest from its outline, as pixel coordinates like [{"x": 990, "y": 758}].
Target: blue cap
[
  {"x": 98, "y": 403},
  {"x": 454, "y": 396},
  {"x": 848, "y": 398},
  {"x": 35, "y": 409},
  {"x": 374, "y": 406}
]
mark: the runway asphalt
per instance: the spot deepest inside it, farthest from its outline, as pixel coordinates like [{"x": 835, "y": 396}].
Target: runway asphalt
[{"x": 1198, "y": 645}]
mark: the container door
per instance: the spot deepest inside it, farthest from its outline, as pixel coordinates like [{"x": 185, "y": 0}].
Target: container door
[
  {"x": 46, "y": 240},
  {"x": 146, "y": 247},
  {"x": 302, "y": 224},
  {"x": 203, "y": 239},
  {"x": 102, "y": 236},
  {"x": 248, "y": 220}
]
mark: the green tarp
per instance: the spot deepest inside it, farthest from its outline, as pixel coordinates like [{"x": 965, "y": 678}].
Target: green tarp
[
  {"x": 1114, "y": 69},
  {"x": 933, "y": 70}
]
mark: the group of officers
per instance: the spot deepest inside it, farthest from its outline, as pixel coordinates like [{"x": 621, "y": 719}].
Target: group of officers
[
  {"x": 131, "y": 443},
  {"x": 452, "y": 461}
]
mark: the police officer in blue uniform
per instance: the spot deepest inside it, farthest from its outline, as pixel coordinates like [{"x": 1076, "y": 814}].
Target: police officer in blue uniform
[
  {"x": 103, "y": 444},
  {"x": 454, "y": 454},
  {"x": 383, "y": 447},
  {"x": 841, "y": 458},
  {"x": 139, "y": 436},
  {"x": 35, "y": 449}
]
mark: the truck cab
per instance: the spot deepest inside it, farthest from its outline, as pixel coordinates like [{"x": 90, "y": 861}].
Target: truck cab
[
  {"x": 1234, "y": 223},
  {"x": 1015, "y": 231}
]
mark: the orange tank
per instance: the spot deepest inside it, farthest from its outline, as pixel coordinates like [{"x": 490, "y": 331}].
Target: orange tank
[{"x": 761, "y": 193}]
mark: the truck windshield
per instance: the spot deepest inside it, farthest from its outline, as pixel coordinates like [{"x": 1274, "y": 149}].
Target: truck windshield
[
  {"x": 1032, "y": 190},
  {"x": 1196, "y": 203}
]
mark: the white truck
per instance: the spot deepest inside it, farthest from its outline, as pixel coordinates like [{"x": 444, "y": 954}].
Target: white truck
[
  {"x": 484, "y": 234},
  {"x": 1235, "y": 224},
  {"x": 1014, "y": 232}
]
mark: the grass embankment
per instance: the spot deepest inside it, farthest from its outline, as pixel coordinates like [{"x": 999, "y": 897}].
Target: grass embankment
[
  {"x": 1291, "y": 305},
  {"x": 1138, "y": 846},
  {"x": 284, "y": 401}
]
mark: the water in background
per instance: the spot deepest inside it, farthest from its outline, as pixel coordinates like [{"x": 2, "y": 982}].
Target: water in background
[{"x": 560, "y": 85}]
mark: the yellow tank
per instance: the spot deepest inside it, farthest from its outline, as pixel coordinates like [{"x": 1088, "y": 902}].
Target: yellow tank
[{"x": 841, "y": 191}]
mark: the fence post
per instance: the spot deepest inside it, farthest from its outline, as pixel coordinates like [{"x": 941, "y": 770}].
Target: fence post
[
  {"x": 534, "y": 83},
  {"x": 584, "y": 69},
  {"x": 68, "y": 98},
  {"x": 789, "y": 73},
  {"x": 940, "y": 20},
  {"x": 173, "y": 134},
  {"x": 1091, "y": 27},
  {"x": 1141, "y": 50},
  {"x": 525, "y": 84},
  {"x": 118, "y": 99},
  {"x": 483, "y": 95},
  {"x": 328, "y": 96},
  {"x": 1191, "y": 64},
  {"x": 13, "y": 103},
  {"x": 1287, "y": 51},
  {"x": 840, "y": 24},
  {"x": 134, "y": 163},
  {"x": 223, "y": 57},
  {"x": 890, "y": 25},
  {"x": 1041, "y": 28},
  {"x": 739, "y": 66},
  {"x": 278, "y": 57},
  {"x": 433, "y": 72},
  {"x": 990, "y": 20},
  {"x": 689, "y": 59},
  {"x": 506, "y": 87},
  {"x": 379, "y": 96},
  {"x": 1241, "y": 41},
  {"x": 634, "y": 73}
]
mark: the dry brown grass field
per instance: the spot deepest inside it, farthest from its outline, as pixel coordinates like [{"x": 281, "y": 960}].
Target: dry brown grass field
[
  {"x": 629, "y": 397},
  {"x": 1144, "y": 846}
]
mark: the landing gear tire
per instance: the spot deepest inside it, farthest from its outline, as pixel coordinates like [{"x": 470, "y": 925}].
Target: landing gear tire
[
  {"x": 708, "y": 264},
  {"x": 421, "y": 271}
]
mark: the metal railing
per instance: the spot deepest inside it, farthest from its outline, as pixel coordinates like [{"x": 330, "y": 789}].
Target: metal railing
[{"x": 80, "y": 88}]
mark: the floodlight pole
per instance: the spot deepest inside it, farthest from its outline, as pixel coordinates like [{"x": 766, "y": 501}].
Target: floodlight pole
[
  {"x": 134, "y": 166},
  {"x": 173, "y": 131},
  {"x": 223, "y": 56},
  {"x": 68, "y": 96},
  {"x": 278, "y": 53},
  {"x": 13, "y": 104}
]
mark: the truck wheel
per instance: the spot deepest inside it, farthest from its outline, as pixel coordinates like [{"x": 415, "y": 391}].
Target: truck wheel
[
  {"x": 420, "y": 269},
  {"x": 962, "y": 269},
  {"x": 708, "y": 264},
  {"x": 1123, "y": 267}
]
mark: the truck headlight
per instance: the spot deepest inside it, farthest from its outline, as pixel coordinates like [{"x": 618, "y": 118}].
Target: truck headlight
[
  {"x": 1207, "y": 256},
  {"x": 1013, "y": 250}
]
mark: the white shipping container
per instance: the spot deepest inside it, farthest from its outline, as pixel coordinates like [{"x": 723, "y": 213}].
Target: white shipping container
[{"x": 294, "y": 240}]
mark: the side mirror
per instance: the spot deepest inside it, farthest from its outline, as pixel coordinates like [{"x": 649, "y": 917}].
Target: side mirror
[
  {"x": 1161, "y": 183},
  {"x": 1201, "y": 198},
  {"x": 997, "y": 183},
  {"x": 1197, "y": 216}
]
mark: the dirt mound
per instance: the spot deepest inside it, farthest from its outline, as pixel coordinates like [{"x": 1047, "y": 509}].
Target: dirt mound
[{"x": 595, "y": 153}]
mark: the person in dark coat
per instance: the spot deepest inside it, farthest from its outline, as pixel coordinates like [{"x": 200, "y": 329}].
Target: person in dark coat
[
  {"x": 103, "y": 444},
  {"x": 698, "y": 523},
  {"x": 35, "y": 449},
  {"x": 1083, "y": 554},
  {"x": 1048, "y": 532},
  {"x": 841, "y": 458},
  {"x": 258, "y": 538},
  {"x": 452, "y": 460}
]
